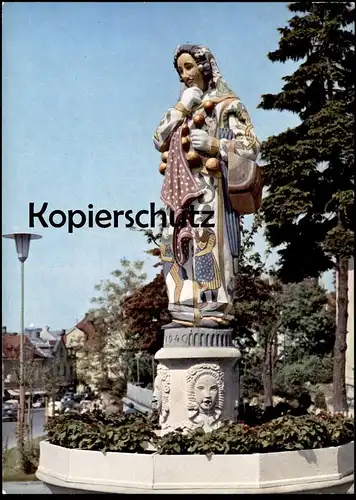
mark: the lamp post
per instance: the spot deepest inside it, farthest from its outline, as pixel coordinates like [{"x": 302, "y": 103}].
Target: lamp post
[
  {"x": 138, "y": 356},
  {"x": 22, "y": 242}
]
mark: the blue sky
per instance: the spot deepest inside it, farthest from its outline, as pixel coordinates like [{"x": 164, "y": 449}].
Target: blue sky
[{"x": 84, "y": 87}]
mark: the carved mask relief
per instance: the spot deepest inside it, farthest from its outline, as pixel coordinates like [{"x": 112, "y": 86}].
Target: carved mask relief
[{"x": 205, "y": 390}]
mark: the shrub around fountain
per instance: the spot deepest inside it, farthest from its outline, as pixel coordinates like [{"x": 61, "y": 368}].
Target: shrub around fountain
[{"x": 132, "y": 433}]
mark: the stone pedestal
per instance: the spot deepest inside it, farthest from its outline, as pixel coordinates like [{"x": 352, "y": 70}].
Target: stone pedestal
[{"x": 197, "y": 381}]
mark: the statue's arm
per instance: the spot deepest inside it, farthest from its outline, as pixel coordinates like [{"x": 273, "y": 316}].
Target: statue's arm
[
  {"x": 171, "y": 120},
  {"x": 246, "y": 143}
]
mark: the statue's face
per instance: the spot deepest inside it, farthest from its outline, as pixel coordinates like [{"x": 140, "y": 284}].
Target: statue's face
[
  {"x": 206, "y": 392},
  {"x": 189, "y": 71}
]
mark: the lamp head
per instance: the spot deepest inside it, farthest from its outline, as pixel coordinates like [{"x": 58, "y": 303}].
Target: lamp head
[{"x": 22, "y": 242}]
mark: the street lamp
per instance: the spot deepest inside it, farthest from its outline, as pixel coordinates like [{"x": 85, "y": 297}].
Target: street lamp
[
  {"x": 138, "y": 356},
  {"x": 22, "y": 241}
]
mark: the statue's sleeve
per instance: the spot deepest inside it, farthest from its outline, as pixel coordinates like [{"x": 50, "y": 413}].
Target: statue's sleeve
[
  {"x": 171, "y": 120},
  {"x": 245, "y": 144}
]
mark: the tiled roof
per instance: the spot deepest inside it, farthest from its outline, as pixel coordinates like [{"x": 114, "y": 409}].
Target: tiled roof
[
  {"x": 11, "y": 346},
  {"x": 87, "y": 327}
]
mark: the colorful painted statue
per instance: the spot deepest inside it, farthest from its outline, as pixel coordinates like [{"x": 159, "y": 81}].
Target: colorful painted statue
[{"x": 209, "y": 149}]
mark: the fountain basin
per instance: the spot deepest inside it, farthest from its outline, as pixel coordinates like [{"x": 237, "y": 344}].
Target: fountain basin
[{"x": 325, "y": 470}]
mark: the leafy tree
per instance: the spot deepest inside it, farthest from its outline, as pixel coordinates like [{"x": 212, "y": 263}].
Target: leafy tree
[
  {"x": 250, "y": 290},
  {"x": 108, "y": 345},
  {"x": 307, "y": 320},
  {"x": 309, "y": 168},
  {"x": 145, "y": 312},
  {"x": 127, "y": 279},
  {"x": 291, "y": 379},
  {"x": 256, "y": 318},
  {"x": 153, "y": 238},
  {"x": 51, "y": 382},
  {"x": 29, "y": 378},
  {"x": 266, "y": 311},
  {"x": 125, "y": 320},
  {"x": 142, "y": 369}
]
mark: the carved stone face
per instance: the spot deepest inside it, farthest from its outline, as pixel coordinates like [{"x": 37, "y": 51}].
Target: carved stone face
[
  {"x": 206, "y": 392},
  {"x": 189, "y": 71}
]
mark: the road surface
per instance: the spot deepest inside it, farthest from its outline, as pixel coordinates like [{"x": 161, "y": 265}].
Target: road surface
[
  {"x": 9, "y": 428},
  {"x": 30, "y": 488}
]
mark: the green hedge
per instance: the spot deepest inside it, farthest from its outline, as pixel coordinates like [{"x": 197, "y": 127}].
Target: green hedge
[{"x": 132, "y": 433}]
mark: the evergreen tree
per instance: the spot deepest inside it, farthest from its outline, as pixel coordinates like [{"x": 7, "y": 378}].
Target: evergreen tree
[{"x": 309, "y": 169}]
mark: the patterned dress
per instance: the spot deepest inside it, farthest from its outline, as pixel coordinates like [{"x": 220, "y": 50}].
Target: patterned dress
[{"x": 206, "y": 268}]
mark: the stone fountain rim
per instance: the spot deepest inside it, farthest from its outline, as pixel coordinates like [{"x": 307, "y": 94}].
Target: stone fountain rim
[{"x": 311, "y": 471}]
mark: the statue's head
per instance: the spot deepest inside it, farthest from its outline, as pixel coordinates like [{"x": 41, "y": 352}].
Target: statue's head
[
  {"x": 206, "y": 392},
  {"x": 193, "y": 66},
  {"x": 189, "y": 72},
  {"x": 196, "y": 66}
]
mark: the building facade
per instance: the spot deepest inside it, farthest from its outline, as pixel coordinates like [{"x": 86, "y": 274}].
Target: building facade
[{"x": 46, "y": 362}]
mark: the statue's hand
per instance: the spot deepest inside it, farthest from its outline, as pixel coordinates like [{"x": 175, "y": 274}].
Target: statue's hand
[
  {"x": 191, "y": 97},
  {"x": 200, "y": 140}
]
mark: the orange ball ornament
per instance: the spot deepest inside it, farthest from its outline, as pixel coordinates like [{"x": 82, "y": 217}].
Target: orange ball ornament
[
  {"x": 185, "y": 129},
  {"x": 209, "y": 106},
  {"x": 213, "y": 164},
  {"x": 199, "y": 120},
  {"x": 164, "y": 156},
  {"x": 193, "y": 159},
  {"x": 185, "y": 143},
  {"x": 162, "y": 168}
]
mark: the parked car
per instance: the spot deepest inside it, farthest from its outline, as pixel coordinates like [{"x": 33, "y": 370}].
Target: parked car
[
  {"x": 38, "y": 404},
  {"x": 77, "y": 397},
  {"x": 9, "y": 413},
  {"x": 58, "y": 408},
  {"x": 13, "y": 402},
  {"x": 67, "y": 403},
  {"x": 69, "y": 395}
]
